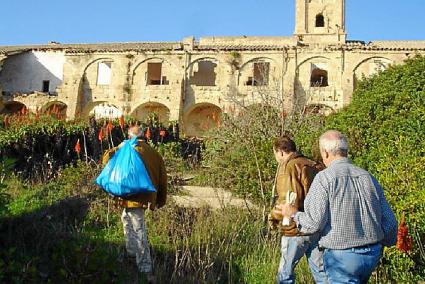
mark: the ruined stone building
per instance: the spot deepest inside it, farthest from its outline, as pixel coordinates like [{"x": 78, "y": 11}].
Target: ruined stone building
[{"x": 193, "y": 81}]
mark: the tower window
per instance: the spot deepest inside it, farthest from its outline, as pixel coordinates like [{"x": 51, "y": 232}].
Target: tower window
[
  {"x": 320, "y": 21},
  {"x": 319, "y": 78}
]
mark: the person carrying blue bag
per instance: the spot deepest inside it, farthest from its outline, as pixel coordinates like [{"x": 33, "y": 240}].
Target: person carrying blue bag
[{"x": 135, "y": 175}]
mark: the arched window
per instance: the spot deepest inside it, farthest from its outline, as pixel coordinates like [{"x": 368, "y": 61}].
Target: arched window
[
  {"x": 319, "y": 78},
  {"x": 320, "y": 21}
]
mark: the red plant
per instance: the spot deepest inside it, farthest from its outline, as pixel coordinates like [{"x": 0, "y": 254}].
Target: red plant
[
  {"x": 162, "y": 133},
  {"x": 122, "y": 122},
  {"x": 77, "y": 147},
  {"x": 148, "y": 133},
  {"x": 218, "y": 123},
  {"x": 6, "y": 121},
  {"x": 37, "y": 114},
  {"x": 110, "y": 126},
  {"x": 24, "y": 111},
  {"x": 404, "y": 239},
  {"x": 101, "y": 135}
]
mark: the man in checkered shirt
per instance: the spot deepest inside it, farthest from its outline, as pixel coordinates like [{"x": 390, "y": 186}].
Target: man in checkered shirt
[{"x": 347, "y": 205}]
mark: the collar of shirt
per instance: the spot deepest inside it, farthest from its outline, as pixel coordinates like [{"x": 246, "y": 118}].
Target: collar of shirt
[{"x": 340, "y": 161}]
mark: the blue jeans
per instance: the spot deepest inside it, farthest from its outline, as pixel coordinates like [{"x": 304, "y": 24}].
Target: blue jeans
[
  {"x": 293, "y": 249},
  {"x": 354, "y": 265}
]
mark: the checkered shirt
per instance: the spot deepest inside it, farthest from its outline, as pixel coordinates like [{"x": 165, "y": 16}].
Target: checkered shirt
[{"x": 348, "y": 206}]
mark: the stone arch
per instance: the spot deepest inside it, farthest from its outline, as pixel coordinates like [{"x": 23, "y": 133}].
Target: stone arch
[
  {"x": 153, "y": 58},
  {"x": 308, "y": 75},
  {"x": 200, "y": 118},
  {"x": 96, "y": 61},
  {"x": 168, "y": 69},
  {"x": 263, "y": 73},
  {"x": 371, "y": 58},
  {"x": 87, "y": 85},
  {"x": 310, "y": 59},
  {"x": 210, "y": 58},
  {"x": 55, "y": 106},
  {"x": 13, "y": 107},
  {"x": 257, "y": 59},
  {"x": 370, "y": 66},
  {"x": 143, "y": 111},
  {"x": 84, "y": 76},
  {"x": 101, "y": 109}
]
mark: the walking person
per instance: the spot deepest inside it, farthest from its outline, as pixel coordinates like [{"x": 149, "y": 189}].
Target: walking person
[
  {"x": 294, "y": 177},
  {"x": 133, "y": 215},
  {"x": 347, "y": 206}
]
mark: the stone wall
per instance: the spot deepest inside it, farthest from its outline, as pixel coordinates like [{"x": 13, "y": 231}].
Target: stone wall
[
  {"x": 25, "y": 72},
  {"x": 194, "y": 86}
]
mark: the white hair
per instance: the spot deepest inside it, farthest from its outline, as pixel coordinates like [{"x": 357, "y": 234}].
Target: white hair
[
  {"x": 138, "y": 134},
  {"x": 334, "y": 142}
]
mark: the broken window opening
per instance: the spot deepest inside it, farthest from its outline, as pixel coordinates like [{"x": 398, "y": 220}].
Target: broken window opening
[
  {"x": 260, "y": 76},
  {"x": 104, "y": 73},
  {"x": 46, "y": 86},
  {"x": 154, "y": 75},
  {"x": 319, "y": 78},
  {"x": 205, "y": 74},
  {"x": 320, "y": 21}
]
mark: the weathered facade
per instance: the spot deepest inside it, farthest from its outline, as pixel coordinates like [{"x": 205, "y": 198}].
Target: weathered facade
[{"x": 194, "y": 81}]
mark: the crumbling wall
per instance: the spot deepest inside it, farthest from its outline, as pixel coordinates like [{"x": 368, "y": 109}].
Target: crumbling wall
[{"x": 26, "y": 72}]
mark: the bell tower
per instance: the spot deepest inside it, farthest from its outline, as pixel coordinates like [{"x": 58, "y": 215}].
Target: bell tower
[{"x": 320, "y": 21}]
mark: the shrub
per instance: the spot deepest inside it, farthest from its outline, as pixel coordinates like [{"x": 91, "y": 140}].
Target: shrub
[{"x": 385, "y": 124}]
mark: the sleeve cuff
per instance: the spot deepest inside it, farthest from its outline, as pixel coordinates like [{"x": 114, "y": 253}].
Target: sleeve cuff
[{"x": 296, "y": 218}]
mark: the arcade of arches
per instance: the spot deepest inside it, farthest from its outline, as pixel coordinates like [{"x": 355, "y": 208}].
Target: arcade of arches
[{"x": 193, "y": 81}]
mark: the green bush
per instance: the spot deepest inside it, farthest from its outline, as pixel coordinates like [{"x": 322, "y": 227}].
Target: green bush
[
  {"x": 6, "y": 166},
  {"x": 385, "y": 124}
]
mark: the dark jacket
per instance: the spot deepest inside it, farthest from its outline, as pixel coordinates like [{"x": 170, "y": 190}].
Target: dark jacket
[
  {"x": 295, "y": 175},
  {"x": 156, "y": 169}
]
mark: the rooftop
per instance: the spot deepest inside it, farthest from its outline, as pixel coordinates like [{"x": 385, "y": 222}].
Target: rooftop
[{"x": 211, "y": 43}]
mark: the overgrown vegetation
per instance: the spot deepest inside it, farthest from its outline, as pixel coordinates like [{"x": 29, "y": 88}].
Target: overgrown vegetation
[
  {"x": 42, "y": 145},
  {"x": 385, "y": 124},
  {"x": 68, "y": 231}
]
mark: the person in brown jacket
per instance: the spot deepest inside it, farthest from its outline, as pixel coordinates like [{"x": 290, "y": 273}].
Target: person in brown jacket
[
  {"x": 134, "y": 207},
  {"x": 294, "y": 177}
]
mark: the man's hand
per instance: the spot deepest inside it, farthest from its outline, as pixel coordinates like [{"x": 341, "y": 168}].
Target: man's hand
[
  {"x": 287, "y": 210},
  {"x": 152, "y": 206}
]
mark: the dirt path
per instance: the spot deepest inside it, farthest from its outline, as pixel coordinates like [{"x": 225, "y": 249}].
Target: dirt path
[{"x": 196, "y": 196}]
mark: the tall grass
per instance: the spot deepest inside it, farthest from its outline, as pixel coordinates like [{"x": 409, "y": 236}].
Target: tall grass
[{"x": 68, "y": 231}]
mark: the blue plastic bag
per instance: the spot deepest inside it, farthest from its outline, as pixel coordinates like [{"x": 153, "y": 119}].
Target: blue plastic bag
[{"x": 125, "y": 174}]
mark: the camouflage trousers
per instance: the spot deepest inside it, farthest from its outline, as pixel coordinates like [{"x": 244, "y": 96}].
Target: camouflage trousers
[{"x": 136, "y": 237}]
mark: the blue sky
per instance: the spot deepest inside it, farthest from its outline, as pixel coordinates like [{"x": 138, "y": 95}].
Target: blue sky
[{"x": 86, "y": 21}]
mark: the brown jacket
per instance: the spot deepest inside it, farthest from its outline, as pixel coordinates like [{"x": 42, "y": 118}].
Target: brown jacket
[
  {"x": 156, "y": 169},
  {"x": 295, "y": 175}
]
